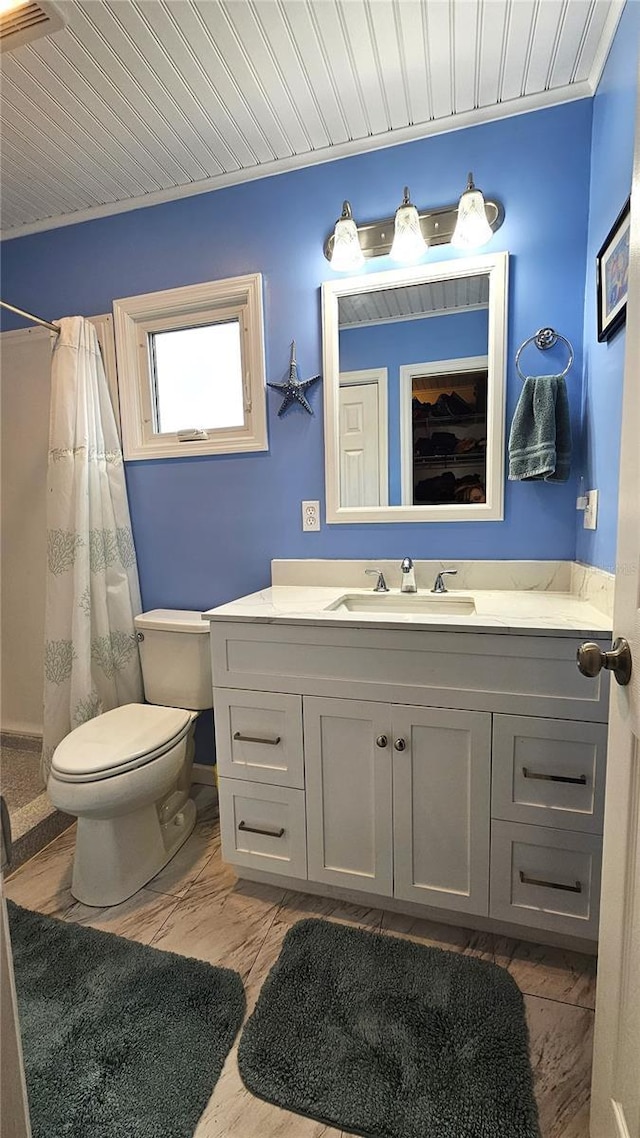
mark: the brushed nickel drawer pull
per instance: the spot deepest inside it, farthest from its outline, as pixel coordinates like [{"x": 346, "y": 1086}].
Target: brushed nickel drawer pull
[
  {"x": 256, "y": 739},
  {"x": 256, "y": 830},
  {"x": 524, "y": 880},
  {"x": 581, "y": 781}
]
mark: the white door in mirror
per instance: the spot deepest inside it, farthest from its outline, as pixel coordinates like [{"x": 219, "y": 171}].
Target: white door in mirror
[{"x": 310, "y": 517}]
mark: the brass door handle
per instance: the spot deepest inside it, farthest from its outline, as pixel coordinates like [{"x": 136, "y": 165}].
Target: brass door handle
[{"x": 591, "y": 660}]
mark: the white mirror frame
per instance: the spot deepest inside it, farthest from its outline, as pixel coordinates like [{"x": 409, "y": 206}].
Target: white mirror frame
[{"x": 496, "y": 266}]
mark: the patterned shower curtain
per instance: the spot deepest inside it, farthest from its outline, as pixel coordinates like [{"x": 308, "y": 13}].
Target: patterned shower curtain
[{"x": 91, "y": 660}]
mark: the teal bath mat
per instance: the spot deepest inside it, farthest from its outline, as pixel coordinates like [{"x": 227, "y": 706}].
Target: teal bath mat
[
  {"x": 385, "y": 1038},
  {"x": 119, "y": 1040}
]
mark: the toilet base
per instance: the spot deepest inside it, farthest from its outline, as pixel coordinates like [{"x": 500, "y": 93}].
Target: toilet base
[{"x": 115, "y": 857}]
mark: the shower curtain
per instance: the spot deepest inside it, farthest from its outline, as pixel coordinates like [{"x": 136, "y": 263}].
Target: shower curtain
[{"x": 91, "y": 661}]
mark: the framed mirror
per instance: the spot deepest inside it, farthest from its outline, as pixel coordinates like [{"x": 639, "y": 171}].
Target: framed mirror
[{"x": 414, "y": 393}]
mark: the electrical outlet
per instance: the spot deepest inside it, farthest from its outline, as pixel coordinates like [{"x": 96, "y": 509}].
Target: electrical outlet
[
  {"x": 591, "y": 510},
  {"x": 310, "y": 517}
]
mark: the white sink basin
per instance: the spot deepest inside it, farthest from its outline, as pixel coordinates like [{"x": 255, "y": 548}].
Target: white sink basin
[{"x": 431, "y": 605}]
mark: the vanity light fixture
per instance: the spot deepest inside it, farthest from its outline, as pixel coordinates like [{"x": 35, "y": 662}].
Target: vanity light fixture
[
  {"x": 408, "y": 242},
  {"x": 468, "y": 224},
  {"x": 346, "y": 254},
  {"x": 472, "y": 228}
]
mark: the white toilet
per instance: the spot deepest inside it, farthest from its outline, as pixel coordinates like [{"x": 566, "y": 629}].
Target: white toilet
[{"x": 126, "y": 774}]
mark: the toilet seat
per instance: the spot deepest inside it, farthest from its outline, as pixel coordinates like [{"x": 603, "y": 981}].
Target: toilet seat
[{"x": 119, "y": 740}]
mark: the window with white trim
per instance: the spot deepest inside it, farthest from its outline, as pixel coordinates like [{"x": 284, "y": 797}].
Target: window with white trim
[{"x": 191, "y": 371}]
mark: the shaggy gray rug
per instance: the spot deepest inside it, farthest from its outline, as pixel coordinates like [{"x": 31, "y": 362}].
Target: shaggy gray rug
[
  {"x": 119, "y": 1040},
  {"x": 389, "y": 1039}
]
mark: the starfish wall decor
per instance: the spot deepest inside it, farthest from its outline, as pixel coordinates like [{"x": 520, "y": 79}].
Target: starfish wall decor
[{"x": 293, "y": 389}]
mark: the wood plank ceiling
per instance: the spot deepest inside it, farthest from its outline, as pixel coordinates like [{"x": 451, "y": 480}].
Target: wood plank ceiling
[
  {"x": 431, "y": 298},
  {"x": 139, "y": 101}
]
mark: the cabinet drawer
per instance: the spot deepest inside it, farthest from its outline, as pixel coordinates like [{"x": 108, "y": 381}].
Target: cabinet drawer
[
  {"x": 259, "y": 736},
  {"x": 549, "y": 772},
  {"x": 263, "y": 827},
  {"x": 545, "y": 878}
]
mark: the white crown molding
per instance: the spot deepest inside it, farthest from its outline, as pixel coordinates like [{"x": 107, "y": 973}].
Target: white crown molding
[
  {"x": 605, "y": 43},
  {"x": 524, "y": 105}
]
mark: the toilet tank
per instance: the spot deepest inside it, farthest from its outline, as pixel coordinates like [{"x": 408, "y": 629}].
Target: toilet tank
[{"x": 175, "y": 658}]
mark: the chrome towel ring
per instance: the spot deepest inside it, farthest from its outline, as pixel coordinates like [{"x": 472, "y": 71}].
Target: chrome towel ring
[{"x": 544, "y": 339}]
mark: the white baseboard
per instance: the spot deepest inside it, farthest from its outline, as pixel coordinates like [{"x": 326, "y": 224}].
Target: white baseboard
[{"x": 203, "y": 775}]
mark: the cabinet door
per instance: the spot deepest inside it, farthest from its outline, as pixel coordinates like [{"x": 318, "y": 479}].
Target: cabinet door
[
  {"x": 348, "y": 789},
  {"x": 259, "y": 736},
  {"x": 262, "y": 827},
  {"x": 549, "y": 772},
  {"x": 441, "y": 800}
]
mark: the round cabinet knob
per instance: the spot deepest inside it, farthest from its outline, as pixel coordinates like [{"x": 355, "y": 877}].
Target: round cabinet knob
[
  {"x": 591, "y": 660},
  {"x": 381, "y": 741},
  {"x": 400, "y": 745}
]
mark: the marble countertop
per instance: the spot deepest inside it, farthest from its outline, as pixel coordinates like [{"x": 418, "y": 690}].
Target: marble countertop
[{"x": 511, "y": 611}]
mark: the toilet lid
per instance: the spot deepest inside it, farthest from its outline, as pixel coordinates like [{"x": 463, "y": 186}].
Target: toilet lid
[{"x": 119, "y": 740}]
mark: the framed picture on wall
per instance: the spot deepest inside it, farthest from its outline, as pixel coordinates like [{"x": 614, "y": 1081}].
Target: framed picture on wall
[{"x": 612, "y": 276}]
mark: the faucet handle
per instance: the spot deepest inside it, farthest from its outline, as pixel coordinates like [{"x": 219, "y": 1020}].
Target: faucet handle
[
  {"x": 439, "y": 586},
  {"x": 406, "y": 565},
  {"x": 380, "y": 585}
]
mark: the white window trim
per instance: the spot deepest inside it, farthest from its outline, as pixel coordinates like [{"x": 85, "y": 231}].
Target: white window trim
[
  {"x": 408, "y": 373},
  {"x": 136, "y": 316}
]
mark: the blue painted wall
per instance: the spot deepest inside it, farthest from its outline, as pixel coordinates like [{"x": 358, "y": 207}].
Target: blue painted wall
[
  {"x": 614, "y": 111},
  {"x": 206, "y": 528},
  {"x": 411, "y": 342}
]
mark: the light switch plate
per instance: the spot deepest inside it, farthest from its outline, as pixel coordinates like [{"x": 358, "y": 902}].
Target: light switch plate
[
  {"x": 591, "y": 510},
  {"x": 310, "y": 517}
]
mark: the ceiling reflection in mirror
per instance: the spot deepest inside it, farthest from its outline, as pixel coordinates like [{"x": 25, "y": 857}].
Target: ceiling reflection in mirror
[{"x": 413, "y": 381}]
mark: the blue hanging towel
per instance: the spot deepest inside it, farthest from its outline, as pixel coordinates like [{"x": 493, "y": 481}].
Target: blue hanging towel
[{"x": 540, "y": 439}]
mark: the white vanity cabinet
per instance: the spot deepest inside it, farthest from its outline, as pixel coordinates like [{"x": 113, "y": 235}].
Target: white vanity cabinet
[
  {"x": 349, "y": 793},
  {"x": 458, "y": 771},
  {"x": 397, "y": 801},
  {"x": 441, "y": 817}
]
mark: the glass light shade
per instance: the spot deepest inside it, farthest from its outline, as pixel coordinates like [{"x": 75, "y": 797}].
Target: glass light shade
[
  {"x": 472, "y": 228},
  {"x": 408, "y": 242},
  {"x": 347, "y": 255}
]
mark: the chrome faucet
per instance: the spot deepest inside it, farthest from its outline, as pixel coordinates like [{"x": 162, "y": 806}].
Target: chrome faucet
[
  {"x": 380, "y": 585},
  {"x": 439, "y": 586},
  {"x": 408, "y": 583}
]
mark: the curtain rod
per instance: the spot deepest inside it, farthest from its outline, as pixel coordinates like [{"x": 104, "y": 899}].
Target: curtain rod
[{"x": 29, "y": 316}]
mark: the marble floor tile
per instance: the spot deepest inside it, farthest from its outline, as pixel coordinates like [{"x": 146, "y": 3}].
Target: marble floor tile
[
  {"x": 299, "y": 906},
  {"x": 229, "y": 932},
  {"x": 202, "y": 909},
  {"x": 215, "y": 879},
  {"x": 560, "y": 1045},
  {"x": 233, "y": 1112},
  {"x": 578, "y": 1127},
  {"x": 184, "y": 869},
  {"x": 140, "y": 918},
  {"x": 438, "y": 935},
  {"x": 44, "y": 882},
  {"x": 555, "y": 973}
]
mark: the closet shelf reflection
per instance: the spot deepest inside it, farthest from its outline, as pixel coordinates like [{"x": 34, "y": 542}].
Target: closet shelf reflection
[
  {"x": 433, "y": 421},
  {"x": 474, "y": 458}
]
